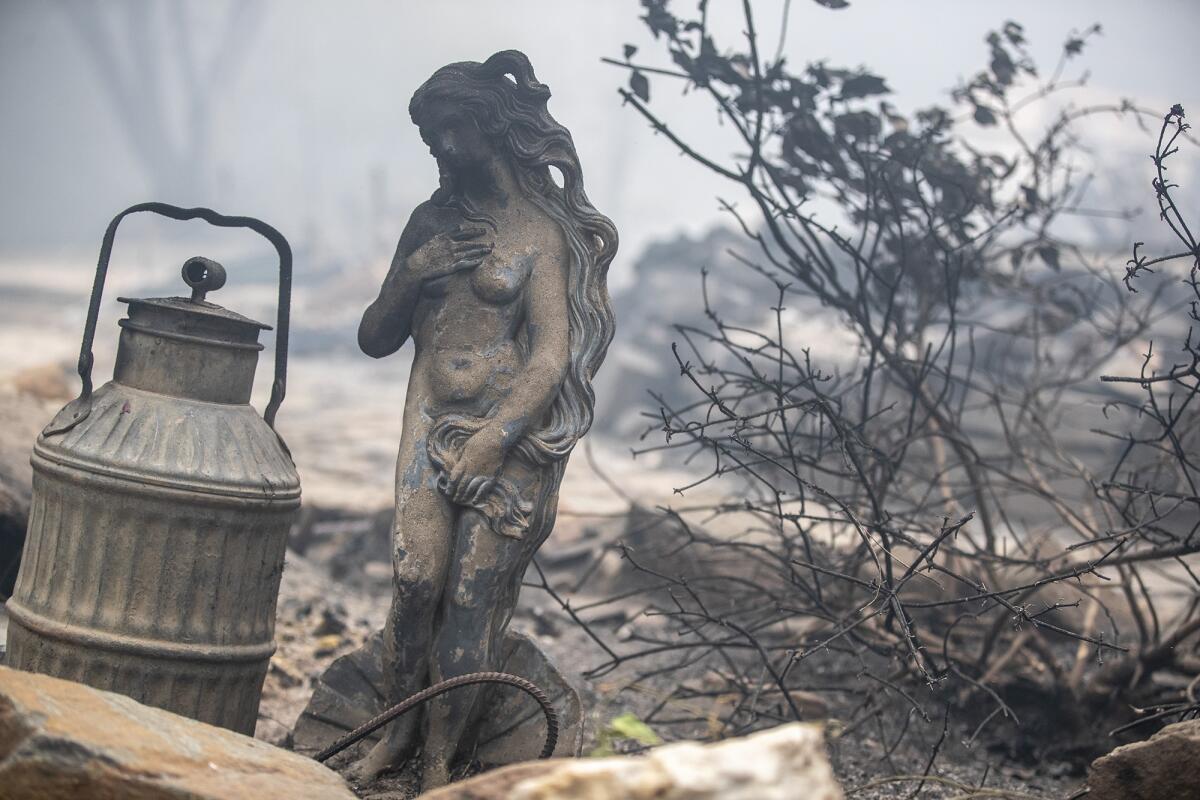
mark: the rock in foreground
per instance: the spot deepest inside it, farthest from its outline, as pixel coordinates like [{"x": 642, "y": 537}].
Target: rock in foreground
[
  {"x": 783, "y": 763},
  {"x": 60, "y": 739},
  {"x": 1161, "y": 767}
]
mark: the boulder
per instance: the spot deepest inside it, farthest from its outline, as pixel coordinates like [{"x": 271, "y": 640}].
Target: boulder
[
  {"x": 1157, "y": 768},
  {"x": 782, "y": 763},
  {"x": 64, "y": 739}
]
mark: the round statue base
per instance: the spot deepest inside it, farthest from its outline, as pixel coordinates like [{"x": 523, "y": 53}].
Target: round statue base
[{"x": 510, "y": 727}]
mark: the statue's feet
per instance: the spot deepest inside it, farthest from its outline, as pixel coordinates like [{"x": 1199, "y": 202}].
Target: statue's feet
[
  {"x": 388, "y": 753},
  {"x": 435, "y": 773}
]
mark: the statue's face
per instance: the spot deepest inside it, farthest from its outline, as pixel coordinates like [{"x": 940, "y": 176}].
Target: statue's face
[{"x": 453, "y": 136}]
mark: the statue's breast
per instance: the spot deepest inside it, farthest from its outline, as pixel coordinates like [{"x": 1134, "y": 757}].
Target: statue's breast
[
  {"x": 436, "y": 287},
  {"x": 501, "y": 278}
]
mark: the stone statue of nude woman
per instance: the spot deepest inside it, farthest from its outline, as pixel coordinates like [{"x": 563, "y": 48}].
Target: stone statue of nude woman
[{"x": 499, "y": 279}]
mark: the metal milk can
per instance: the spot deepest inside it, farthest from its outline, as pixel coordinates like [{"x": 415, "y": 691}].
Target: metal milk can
[{"x": 161, "y": 506}]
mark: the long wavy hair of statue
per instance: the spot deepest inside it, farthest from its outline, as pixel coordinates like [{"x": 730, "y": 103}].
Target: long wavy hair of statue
[{"x": 509, "y": 105}]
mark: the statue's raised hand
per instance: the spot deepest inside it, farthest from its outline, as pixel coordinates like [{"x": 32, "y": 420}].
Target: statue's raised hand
[{"x": 463, "y": 248}]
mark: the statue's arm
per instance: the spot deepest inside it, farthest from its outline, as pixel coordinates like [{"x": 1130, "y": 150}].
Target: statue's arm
[
  {"x": 549, "y": 345},
  {"x": 387, "y": 322}
]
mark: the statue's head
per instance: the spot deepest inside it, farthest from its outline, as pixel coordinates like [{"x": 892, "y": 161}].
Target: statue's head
[
  {"x": 454, "y": 136},
  {"x": 469, "y": 112}
]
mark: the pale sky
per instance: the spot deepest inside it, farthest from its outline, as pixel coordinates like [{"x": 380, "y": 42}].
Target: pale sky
[{"x": 307, "y": 126}]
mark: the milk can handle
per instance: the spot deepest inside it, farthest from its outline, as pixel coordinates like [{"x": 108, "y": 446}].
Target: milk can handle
[{"x": 77, "y": 410}]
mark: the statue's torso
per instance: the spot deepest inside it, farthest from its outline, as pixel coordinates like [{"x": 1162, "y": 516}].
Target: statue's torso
[{"x": 467, "y": 324}]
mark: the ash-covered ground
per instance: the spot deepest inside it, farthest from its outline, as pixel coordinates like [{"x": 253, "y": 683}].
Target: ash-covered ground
[{"x": 335, "y": 592}]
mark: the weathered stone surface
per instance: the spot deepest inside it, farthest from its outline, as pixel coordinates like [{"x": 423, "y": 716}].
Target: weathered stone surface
[
  {"x": 499, "y": 784},
  {"x": 1163, "y": 766},
  {"x": 783, "y": 763},
  {"x": 64, "y": 739}
]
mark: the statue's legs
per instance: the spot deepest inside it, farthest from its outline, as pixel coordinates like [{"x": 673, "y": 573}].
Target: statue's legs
[
  {"x": 482, "y": 584},
  {"x": 421, "y": 546}
]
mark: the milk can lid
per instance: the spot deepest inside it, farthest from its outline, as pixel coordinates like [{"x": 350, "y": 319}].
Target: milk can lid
[
  {"x": 195, "y": 313},
  {"x": 200, "y": 307}
]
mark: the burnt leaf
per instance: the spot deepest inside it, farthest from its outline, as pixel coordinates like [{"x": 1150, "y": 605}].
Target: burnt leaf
[
  {"x": 935, "y": 120},
  {"x": 1074, "y": 44},
  {"x": 805, "y": 134},
  {"x": 685, "y": 62},
  {"x": 658, "y": 19},
  {"x": 1032, "y": 200},
  {"x": 984, "y": 115},
  {"x": 863, "y": 85},
  {"x": 709, "y": 64},
  {"x": 898, "y": 122},
  {"x": 1015, "y": 33},
  {"x": 1002, "y": 66},
  {"x": 804, "y": 93},
  {"x": 820, "y": 74},
  {"x": 858, "y": 124},
  {"x": 1003, "y": 168},
  {"x": 1049, "y": 254},
  {"x": 639, "y": 84}
]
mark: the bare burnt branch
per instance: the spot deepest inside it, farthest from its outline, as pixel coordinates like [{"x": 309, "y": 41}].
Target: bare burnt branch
[{"x": 918, "y": 502}]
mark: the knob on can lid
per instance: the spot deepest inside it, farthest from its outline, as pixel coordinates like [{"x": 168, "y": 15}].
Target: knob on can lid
[
  {"x": 203, "y": 275},
  {"x": 194, "y": 316}
]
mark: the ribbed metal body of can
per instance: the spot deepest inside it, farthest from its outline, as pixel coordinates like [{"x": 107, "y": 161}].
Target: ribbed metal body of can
[{"x": 161, "y": 507}]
